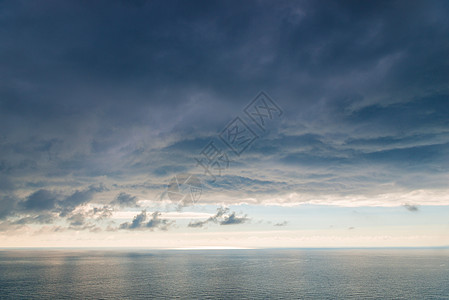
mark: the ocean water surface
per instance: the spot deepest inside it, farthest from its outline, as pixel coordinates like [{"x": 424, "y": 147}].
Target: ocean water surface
[{"x": 224, "y": 274}]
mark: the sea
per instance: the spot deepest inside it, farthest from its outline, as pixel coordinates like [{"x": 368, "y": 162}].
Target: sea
[{"x": 225, "y": 274}]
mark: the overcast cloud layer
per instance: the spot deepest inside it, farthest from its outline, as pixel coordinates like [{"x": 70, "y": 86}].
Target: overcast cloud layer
[{"x": 101, "y": 103}]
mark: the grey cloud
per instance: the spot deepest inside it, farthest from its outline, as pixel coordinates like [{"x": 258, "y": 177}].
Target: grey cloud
[
  {"x": 197, "y": 224},
  {"x": 91, "y": 227},
  {"x": 169, "y": 170},
  {"x": 39, "y": 206},
  {"x": 284, "y": 223},
  {"x": 38, "y": 219},
  {"x": 76, "y": 219},
  {"x": 136, "y": 222},
  {"x": 412, "y": 208},
  {"x": 40, "y": 200},
  {"x": 8, "y": 205},
  {"x": 222, "y": 217},
  {"x": 125, "y": 200},
  {"x": 79, "y": 197},
  {"x": 233, "y": 219},
  {"x": 220, "y": 212},
  {"x": 101, "y": 212},
  {"x": 154, "y": 222},
  {"x": 82, "y": 220}
]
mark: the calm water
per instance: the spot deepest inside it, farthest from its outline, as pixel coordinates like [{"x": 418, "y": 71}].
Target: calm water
[{"x": 225, "y": 274}]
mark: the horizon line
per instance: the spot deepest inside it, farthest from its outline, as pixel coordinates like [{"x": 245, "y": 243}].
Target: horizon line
[{"x": 213, "y": 248}]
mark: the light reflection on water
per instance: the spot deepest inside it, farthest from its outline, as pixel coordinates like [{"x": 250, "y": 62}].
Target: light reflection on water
[{"x": 225, "y": 274}]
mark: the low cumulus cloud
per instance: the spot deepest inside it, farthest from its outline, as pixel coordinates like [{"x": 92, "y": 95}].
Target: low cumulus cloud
[
  {"x": 78, "y": 198},
  {"x": 222, "y": 217},
  {"x": 412, "y": 208},
  {"x": 76, "y": 219},
  {"x": 101, "y": 213},
  {"x": 147, "y": 221},
  {"x": 51, "y": 201},
  {"x": 47, "y": 206}
]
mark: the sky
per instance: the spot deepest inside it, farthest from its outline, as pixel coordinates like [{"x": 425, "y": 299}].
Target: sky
[{"x": 224, "y": 124}]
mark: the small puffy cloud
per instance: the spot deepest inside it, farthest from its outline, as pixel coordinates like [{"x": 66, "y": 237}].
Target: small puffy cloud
[
  {"x": 412, "y": 208},
  {"x": 136, "y": 222},
  {"x": 233, "y": 219},
  {"x": 101, "y": 212},
  {"x": 284, "y": 223},
  {"x": 140, "y": 222},
  {"x": 156, "y": 222},
  {"x": 222, "y": 217}
]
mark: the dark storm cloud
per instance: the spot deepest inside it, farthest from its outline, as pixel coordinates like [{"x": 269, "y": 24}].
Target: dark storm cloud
[
  {"x": 40, "y": 200},
  {"x": 130, "y": 92}
]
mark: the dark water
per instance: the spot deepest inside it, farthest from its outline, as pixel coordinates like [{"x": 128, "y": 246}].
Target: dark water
[{"x": 225, "y": 274}]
